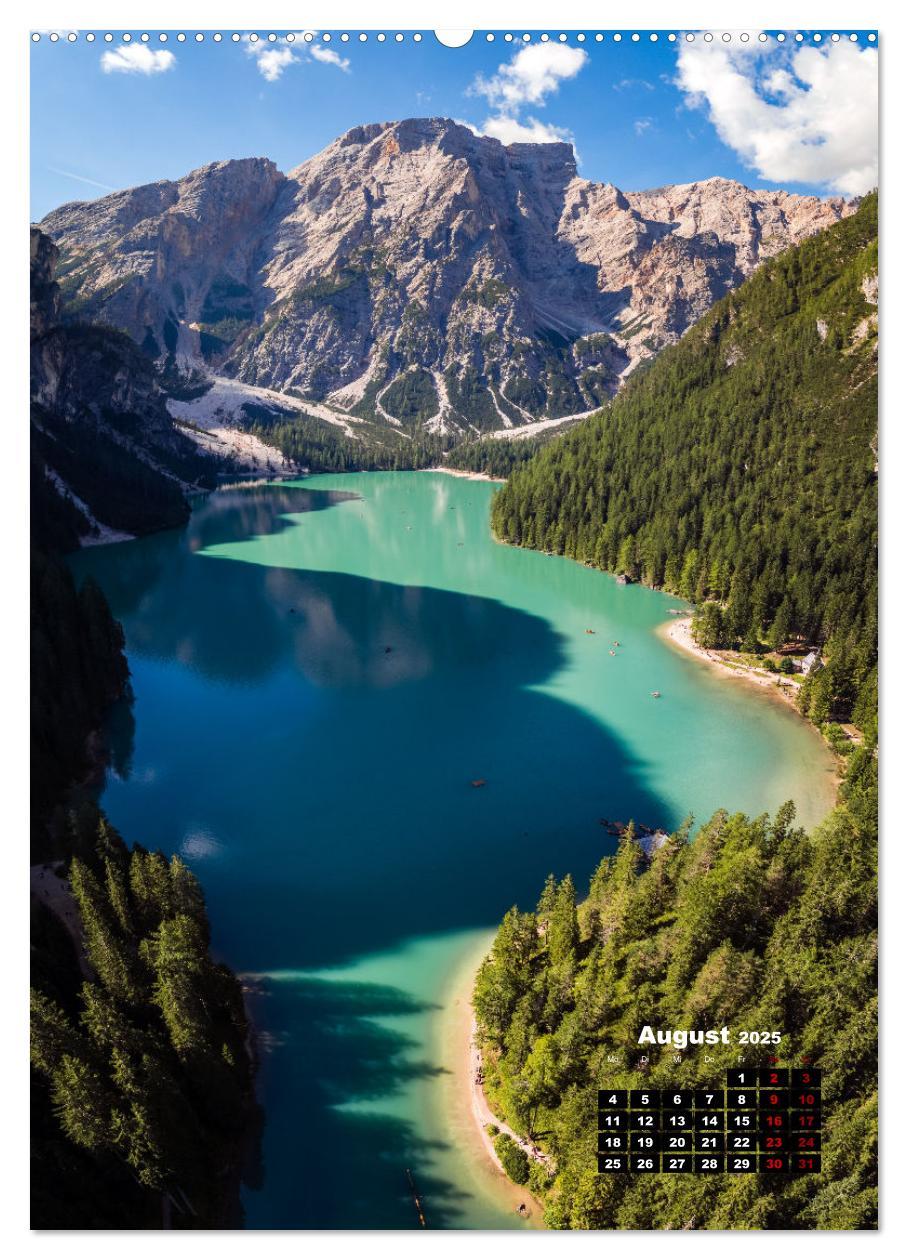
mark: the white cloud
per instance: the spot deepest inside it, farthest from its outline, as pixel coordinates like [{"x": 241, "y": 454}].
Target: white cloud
[
  {"x": 272, "y": 62},
  {"x": 625, "y": 85},
  {"x": 809, "y": 118},
  {"x": 641, "y": 125},
  {"x": 530, "y": 76},
  {"x": 274, "y": 58},
  {"x": 533, "y": 73},
  {"x": 137, "y": 59},
  {"x": 512, "y": 131},
  {"x": 328, "y": 56}
]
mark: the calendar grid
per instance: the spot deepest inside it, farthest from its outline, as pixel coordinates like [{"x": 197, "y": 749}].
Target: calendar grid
[{"x": 764, "y": 1120}]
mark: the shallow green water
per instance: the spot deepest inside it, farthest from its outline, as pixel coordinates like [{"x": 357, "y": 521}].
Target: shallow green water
[{"x": 321, "y": 668}]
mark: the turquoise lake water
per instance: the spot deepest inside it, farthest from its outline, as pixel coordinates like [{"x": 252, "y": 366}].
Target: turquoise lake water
[{"x": 321, "y": 668}]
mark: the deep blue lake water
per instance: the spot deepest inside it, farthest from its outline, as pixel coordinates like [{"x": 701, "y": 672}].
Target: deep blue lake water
[{"x": 321, "y": 669}]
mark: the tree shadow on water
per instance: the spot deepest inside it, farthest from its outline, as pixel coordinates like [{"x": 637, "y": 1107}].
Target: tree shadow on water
[
  {"x": 244, "y": 512},
  {"x": 340, "y": 1140},
  {"x": 130, "y": 572},
  {"x": 374, "y": 763},
  {"x": 342, "y": 797}
]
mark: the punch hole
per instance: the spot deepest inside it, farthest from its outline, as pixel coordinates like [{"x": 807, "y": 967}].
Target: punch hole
[{"x": 453, "y": 39}]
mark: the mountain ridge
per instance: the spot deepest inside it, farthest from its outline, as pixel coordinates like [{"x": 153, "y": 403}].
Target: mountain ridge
[{"x": 419, "y": 274}]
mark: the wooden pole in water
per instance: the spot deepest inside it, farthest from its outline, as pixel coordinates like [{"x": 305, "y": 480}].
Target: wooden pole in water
[{"x": 416, "y": 1200}]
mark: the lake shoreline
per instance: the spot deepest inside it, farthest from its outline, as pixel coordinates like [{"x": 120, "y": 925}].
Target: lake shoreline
[
  {"x": 678, "y": 632},
  {"x": 471, "y": 1110},
  {"x": 465, "y": 473}
]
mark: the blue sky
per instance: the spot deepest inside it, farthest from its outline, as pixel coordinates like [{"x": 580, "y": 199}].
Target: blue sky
[{"x": 640, "y": 114}]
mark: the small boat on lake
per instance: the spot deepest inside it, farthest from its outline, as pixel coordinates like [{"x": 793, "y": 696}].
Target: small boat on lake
[
  {"x": 477, "y": 783},
  {"x": 655, "y": 694}
]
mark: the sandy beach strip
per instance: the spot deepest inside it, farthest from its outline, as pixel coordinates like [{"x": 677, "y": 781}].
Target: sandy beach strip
[
  {"x": 461, "y": 472},
  {"x": 467, "y": 1109},
  {"x": 678, "y": 632}
]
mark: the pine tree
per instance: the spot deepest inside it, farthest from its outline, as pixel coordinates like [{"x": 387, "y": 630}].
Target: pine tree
[
  {"x": 82, "y": 1103},
  {"x": 52, "y": 1034},
  {"x": 152, "y": 1074},
  {"x": 118, "y": 894},
  {"x": 780, "y": 629},
  {"x": 177, "y": 955},
  {"x": 564, "y": 933},
  {"x": 107, "y": 952},
  {"x": 186, "y": 894}
]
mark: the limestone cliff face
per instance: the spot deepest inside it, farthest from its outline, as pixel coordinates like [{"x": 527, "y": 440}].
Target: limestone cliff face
[
  {"x": 106, "y": 453},
  {"x": 147, "y": 259},
  {"x": 44, "y": 292},
  {"x": 418, "y": 273},
  {"x": 87, "y": 372}
]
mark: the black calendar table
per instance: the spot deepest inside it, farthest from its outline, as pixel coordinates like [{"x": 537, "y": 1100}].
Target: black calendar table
[{"x": 765, "y": 1120}]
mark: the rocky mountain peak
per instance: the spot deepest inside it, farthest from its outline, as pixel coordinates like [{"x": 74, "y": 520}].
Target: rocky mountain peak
[
  {"x": 454, "y": 138},
  {"x": 417, "y": 273}
]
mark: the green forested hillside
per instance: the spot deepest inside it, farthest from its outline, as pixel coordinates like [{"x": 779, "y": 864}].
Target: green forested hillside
[
  {"x": 142, "y": 1093},
  {"x": 78, "y": 670},
  {"x": 96, "y": 463},
  {"x": 753, "y": 925},
  {"x": 321, "y": 447},
  {"x": 494, "y": 457},
  {"x": 740, "y": 469}
]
